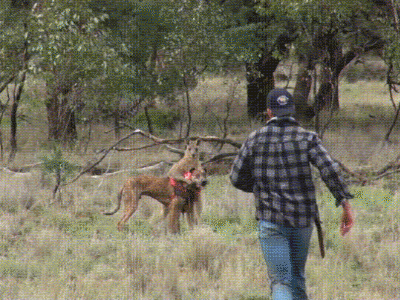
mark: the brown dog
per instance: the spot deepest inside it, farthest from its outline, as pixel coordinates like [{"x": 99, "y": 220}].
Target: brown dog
[{"x": 176, "y": 197}]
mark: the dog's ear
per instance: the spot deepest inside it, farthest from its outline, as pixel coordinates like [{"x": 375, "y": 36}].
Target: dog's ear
[
  {"x": 198, "y": 142},
  {"x": 192, "y": 170}
]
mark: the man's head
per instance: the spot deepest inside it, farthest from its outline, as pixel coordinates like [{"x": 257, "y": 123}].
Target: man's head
[{"x": 281, "y": 103}]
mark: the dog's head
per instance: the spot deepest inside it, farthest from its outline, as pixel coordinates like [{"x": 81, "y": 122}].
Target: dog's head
[{"x": 199, "y": 177}]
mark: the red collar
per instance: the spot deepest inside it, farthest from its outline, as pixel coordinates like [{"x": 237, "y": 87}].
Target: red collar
[{"x": 173, "y": 181}]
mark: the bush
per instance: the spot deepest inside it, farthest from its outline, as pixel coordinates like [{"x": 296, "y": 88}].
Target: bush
[{"x": 160, "y": 119}]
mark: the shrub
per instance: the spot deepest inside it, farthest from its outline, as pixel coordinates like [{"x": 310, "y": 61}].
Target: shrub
[{"x": 160, "y": 119}]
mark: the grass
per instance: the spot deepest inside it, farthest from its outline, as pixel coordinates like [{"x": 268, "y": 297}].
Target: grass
[{"x": 69, "y": 250}]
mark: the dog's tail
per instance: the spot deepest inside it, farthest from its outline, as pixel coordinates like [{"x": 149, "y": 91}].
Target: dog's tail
[{"x": 119, "y": 200}]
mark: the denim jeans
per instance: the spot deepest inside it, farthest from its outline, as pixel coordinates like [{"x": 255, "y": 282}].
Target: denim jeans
[{"x": 285, "y": 251}]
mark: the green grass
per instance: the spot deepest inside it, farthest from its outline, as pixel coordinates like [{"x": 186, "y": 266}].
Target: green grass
[
  {"x": 58, "y": 252},
  {"x": 69, "y": 250}
]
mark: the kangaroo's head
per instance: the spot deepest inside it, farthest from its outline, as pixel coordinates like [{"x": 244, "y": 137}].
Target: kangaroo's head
[{"x": 192, "y": 149}]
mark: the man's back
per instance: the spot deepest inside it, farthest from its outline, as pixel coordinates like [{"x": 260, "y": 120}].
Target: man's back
[{"x": 278, "y": 160}]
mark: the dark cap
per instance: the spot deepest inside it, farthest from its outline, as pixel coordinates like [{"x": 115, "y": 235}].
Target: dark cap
[{"x": 281, "y": 102}]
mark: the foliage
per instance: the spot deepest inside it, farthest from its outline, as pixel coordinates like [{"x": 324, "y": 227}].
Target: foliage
[
  {"x": 55, "y": 164},
  {"x": 66, "y": 38},
  {"x": 13, "y": 33},
  {"x": 161, "y": 119}
]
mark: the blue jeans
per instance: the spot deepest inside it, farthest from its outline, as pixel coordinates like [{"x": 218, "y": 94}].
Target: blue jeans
[{"x": 285, "y": 251}]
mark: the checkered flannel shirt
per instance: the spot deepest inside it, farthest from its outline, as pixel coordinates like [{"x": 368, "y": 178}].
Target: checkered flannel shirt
[{"x": 275, "y": 164}]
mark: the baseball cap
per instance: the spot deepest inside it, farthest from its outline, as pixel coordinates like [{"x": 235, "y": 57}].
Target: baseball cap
[{"x": 281, "y": 102}]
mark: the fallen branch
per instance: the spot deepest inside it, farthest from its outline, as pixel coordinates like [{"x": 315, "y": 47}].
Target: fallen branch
[
  {"x": 360, "y": 176},
  {"x": 387, "y": 170},
  {"x": 105, "y": 153},
  {"x": 157, "y": 141},
  {"x": 219, "y": 157},
  {"x": 362, "y": 179}
]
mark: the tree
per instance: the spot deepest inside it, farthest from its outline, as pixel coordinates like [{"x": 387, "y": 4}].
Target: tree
[
  {"x": 330, "y": 35},
  {"x": 14, "y": 57},
  {"x": 137, "y": 31},
  {"x": 166, "y": 45},
  {"x": 258, "y": 41},
  {"x": 67, "y": 39}
]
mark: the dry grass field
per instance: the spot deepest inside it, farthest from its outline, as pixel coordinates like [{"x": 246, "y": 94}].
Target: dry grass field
[{"x": 66, "y": 249}]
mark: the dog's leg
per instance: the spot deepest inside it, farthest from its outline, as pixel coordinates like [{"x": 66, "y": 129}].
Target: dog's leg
[
  {"x": 131, "y": 200},
  {"x": 189, "y": 214},
  {"x": 166, "y": 218},
  {"x": 174, "y": 212},
  {"x": 197, "y": 208}
]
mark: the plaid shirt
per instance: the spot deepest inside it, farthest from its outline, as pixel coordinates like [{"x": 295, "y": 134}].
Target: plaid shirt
[{"x": 275, "y": 164}]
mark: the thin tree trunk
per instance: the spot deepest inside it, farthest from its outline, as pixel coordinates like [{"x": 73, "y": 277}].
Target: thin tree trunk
[
  {"x": 148, "y": 119},
  {"x": 302, "y": 89},
  {"x": 61, "y": 119},
  {"x": 396, "y": 117},
  {"x": 16, "y": 98},
  {"x": 188, "y": 109}
]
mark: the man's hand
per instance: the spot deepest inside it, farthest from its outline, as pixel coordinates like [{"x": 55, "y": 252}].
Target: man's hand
[{"x": 347, "y": 218}]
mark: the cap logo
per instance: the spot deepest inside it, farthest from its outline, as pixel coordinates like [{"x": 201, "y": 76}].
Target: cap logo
[{"x": 282, "y": 100}]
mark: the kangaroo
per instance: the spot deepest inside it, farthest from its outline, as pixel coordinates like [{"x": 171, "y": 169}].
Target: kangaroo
[{"x": 189, "y": 161}]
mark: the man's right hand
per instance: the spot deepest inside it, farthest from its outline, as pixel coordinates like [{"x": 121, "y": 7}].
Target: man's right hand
[{"x": 347, "y": 218}]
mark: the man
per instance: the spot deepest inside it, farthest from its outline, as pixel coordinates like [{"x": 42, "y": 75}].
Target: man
[{"x": 274, "y": 163}]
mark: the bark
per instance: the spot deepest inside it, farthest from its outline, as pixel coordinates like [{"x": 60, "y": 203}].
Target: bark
[
  {"x": 61, "y": 119},
  {"x": 16, "y": 98},
  {"x": 13, "y": 117},
  {"x": 304, "y": 112},
  {"x": 260, "y": 77},
  {"x": 148, "y": 120},
  {"x": 260, "y": 81}
]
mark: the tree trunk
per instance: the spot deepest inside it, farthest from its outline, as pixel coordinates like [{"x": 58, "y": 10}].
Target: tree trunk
[
  {"x": 13, "y": 117},
  {"x": 61, "y": 119},
  {"x": 260, "y": 76},
  {"x": 17, "y": 97},
  {"x": 117, "y": 126},
  {"x": 148, "y": 119},
  {"x": 327, "y": 96},
  {"x": 304, "y": 112},
  {"x": 260, "y": 81}
]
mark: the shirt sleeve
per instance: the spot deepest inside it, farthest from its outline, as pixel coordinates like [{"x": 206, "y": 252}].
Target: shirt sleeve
[
  {"x": 241, "y": 175},
  {"x": 329, "y": 170}
]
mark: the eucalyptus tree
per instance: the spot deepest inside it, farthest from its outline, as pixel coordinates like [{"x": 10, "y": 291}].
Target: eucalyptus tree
[
  {"x": 68, "y": 44},
  {"x": 255, "y": 38},
  {"x": 167, "y": 45},
  {"x": 194, "y": 45},
  {"x": 330, "y": 34},
  {"x": 14, "y": 57},
  {"x": 136, "y": 33}
]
